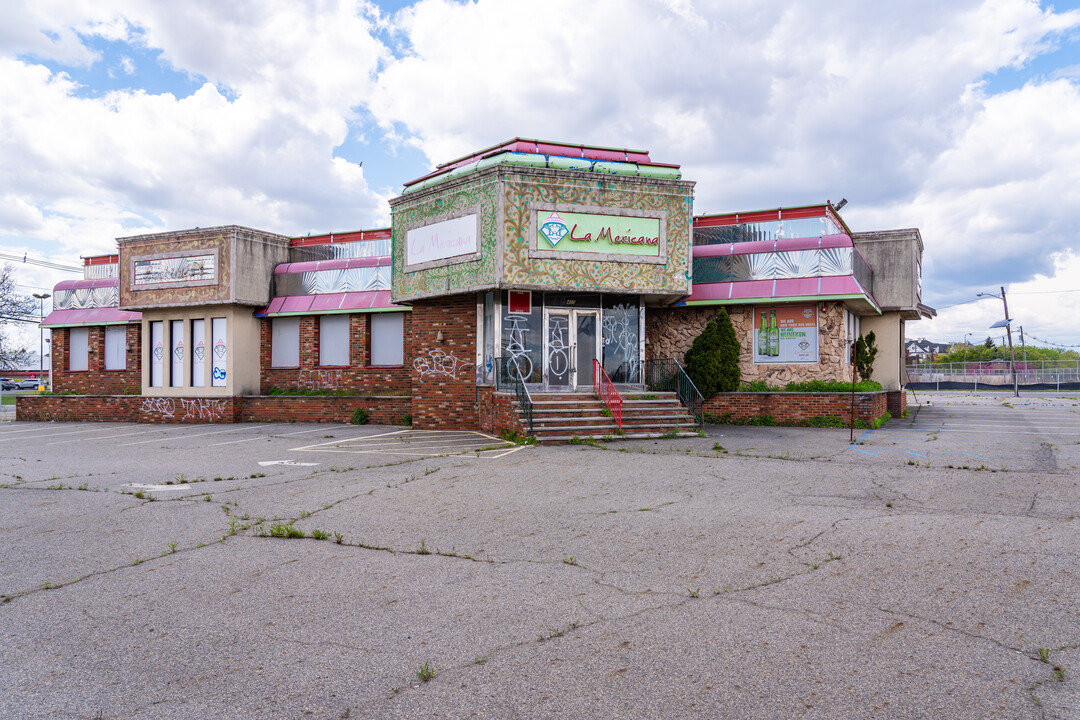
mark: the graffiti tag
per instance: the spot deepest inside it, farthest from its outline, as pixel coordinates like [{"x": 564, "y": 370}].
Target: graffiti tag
[
  {"x": 165, "y": 406},
  {"x": 439, "y": 363},
  {"x": 198, "y": 408},
  {"x": 319, "y": 379}
]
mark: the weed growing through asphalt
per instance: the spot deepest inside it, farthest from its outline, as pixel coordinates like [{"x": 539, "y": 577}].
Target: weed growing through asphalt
[
  {"x": 305, "y": 513},
  {"x": 206, "y": 497},
  {"x": 1059, "y": 673},
  {"x": 285, "y": 530},
  {"x": 320, "y": 534},
  {"x": 1044, "y": 655},
  {"x": 339, "y": 538},
  {"x": 172, "y": 547},
  {"x": 694, "y": 593},
  {"x": 570, "y": 560},
  {"x": 59, "y": 486},
  {"x": 479, "y": 660},
  {"x": 426, "y": 672},
  {"x": 556, "y": 632},
  {"x": 257, "y": 475},
  {"x": 423, "y": 549}
]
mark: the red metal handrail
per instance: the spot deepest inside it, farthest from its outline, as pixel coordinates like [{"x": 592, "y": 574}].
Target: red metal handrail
[{"x": 606, "y": 390}]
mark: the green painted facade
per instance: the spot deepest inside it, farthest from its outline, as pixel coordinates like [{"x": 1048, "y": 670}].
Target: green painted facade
[{"x": 513, "y": 201}]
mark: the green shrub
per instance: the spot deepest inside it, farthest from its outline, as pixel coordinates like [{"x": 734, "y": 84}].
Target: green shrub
[
  {"x": 359, "y": 417},
  {"x": 712, "y": 362},
  {"x": 865, "y": 352},
  {"x": 406, "y": 419},
  {"x": 812, "y": 386}
]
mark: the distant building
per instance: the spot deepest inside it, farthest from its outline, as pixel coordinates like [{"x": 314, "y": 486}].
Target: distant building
[{"x": 923, "y": 349}]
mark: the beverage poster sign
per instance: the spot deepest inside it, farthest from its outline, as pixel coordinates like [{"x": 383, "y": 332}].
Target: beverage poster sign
[
  {"x": 786, "y": 334},
  {"x": 594, "y": 233}
]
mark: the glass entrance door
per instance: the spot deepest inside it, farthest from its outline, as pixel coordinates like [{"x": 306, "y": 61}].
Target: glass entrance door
[{"x": 571, "y": 343}]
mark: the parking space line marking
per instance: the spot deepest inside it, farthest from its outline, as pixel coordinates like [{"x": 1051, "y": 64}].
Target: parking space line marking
[
  {"x": 100, "y": 437},
  {"x": 508, "y": 452},
  {"x": 338, "y": 442},
  {"x": 278, "y": 435},
  {"x": 865, "y": 452},
  {"x": 915, "y": 454},
  {"x": 73, "y": 432},
  {"x": 978, "y": 457},
  {"x": 180, "y": 437}
]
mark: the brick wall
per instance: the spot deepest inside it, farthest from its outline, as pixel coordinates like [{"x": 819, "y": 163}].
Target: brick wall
[
  {"x": 793, "y": 407},
  {"x": 444, "y": 393},
  {"x": 358, "y": 377},
  {"x": 897, "y": 400},
  {"x": 96, "y": 379},
  {"x": 133, "y": 408},
  {"x": 671, "y": 332},
  {"x": 498, "y": 412}
]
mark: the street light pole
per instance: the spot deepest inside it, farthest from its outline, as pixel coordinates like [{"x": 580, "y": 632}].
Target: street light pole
[
  {"x": 41, "y": 337},
  {"x": 1012, "y": 355}
]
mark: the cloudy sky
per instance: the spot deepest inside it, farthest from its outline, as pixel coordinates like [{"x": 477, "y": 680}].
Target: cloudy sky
[{"x": 119, "y": 117}]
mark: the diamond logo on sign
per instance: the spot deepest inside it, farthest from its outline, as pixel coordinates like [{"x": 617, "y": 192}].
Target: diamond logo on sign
[
  {"x": 200, "y": 352},
  {"x": 219, "y": 350},
  {"x": 158, "y": 353},
  {"x": 554, "y": 229}
]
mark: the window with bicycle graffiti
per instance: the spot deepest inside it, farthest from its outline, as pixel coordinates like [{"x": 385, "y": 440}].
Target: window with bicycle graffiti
[{"x": 522, "y": 342}]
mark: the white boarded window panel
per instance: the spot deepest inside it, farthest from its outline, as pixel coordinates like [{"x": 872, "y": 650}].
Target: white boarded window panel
[
  {"x": 334, "y": 340},
  {"x": 115, "y": 347},
  {"x": 220, "y": 351},
  {"x": 198, "y": 353},
  {"x": 285, "y": 342},
  {"x": 388, "y": 339},
  {"x": 157, "y": 352},
  {"x": 176, "y": 339},
  {"x": 78, "y": 348}
]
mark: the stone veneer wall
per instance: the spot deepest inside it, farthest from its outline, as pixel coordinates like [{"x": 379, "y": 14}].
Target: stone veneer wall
[
  {"x": 670, "y": 332},
  {"x": 444, "y": 392},
  {"x": 358, "y": 377},
  {"x": 96, "y": 379}
]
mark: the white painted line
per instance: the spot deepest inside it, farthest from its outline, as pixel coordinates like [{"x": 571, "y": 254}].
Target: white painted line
[
  {"x": 264, "y": 463},
  {"x": 73, "y": 432},
  {"x": 508, "y": 452},
  {"x": 278, "y": 435},
  {"x": 101, "y": 437},
  {"x": 179, "y": 437},
  {"x": 336, "y": 442},
  {"x": 158, "y": 488}
]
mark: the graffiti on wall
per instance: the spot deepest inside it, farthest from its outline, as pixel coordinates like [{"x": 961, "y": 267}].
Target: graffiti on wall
[
  {"x": 165, "y": 406},
  {"x": 194, "y": 409},
  {"x": 520, "y": 358},
  {"x": 310, "y": 379},
  {"x": 621, "y": 338},
  {"x": 439, "y": 362}
]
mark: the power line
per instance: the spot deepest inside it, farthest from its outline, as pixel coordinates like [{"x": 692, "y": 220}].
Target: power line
[
  {"x": 1051, "y": 342},
  {"x": 27, "y": 260}
]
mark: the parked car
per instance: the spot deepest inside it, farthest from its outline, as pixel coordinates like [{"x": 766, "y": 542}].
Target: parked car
[
  {"x": 29, "y": 383},
  {"x": 8, "y": 384}
]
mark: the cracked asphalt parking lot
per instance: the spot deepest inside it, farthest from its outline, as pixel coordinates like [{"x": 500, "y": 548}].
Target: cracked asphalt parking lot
[{"x": 751, "y": 573}]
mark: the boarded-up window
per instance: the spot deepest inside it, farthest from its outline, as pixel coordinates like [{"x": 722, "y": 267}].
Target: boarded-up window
[
  {"x": 388, "y": 339},
  {"x": 285, "y": 342},
  {"x": 334, "y": 340},
  {"x": 78, "y": 348},
  {"x": 220, "y": 351},
  {"x": 176, "y": 339},
  {"x": 116, "y": 347},
  {"x": 157, "y": 352},
  {"x": 198, "y": 353}
]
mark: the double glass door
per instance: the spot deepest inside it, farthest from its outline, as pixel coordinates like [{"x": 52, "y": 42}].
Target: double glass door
[{"x": 571, "y": 343}]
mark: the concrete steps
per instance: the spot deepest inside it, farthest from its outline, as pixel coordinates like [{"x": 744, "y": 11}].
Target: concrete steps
[{"x": 562, "y": 417}]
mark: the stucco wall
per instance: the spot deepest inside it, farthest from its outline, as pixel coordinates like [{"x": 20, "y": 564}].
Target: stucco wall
[
  {"x": 889, "y": 339},
  {"x": 241, "y": 338}
]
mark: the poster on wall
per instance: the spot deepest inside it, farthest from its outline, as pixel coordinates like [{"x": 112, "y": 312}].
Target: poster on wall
[{"x": 786, "y": 334}]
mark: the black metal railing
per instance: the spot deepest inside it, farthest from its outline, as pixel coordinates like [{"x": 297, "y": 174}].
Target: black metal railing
[
  {"x": 668, "y": 375},
  {"x": 508, "y": 376}
]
